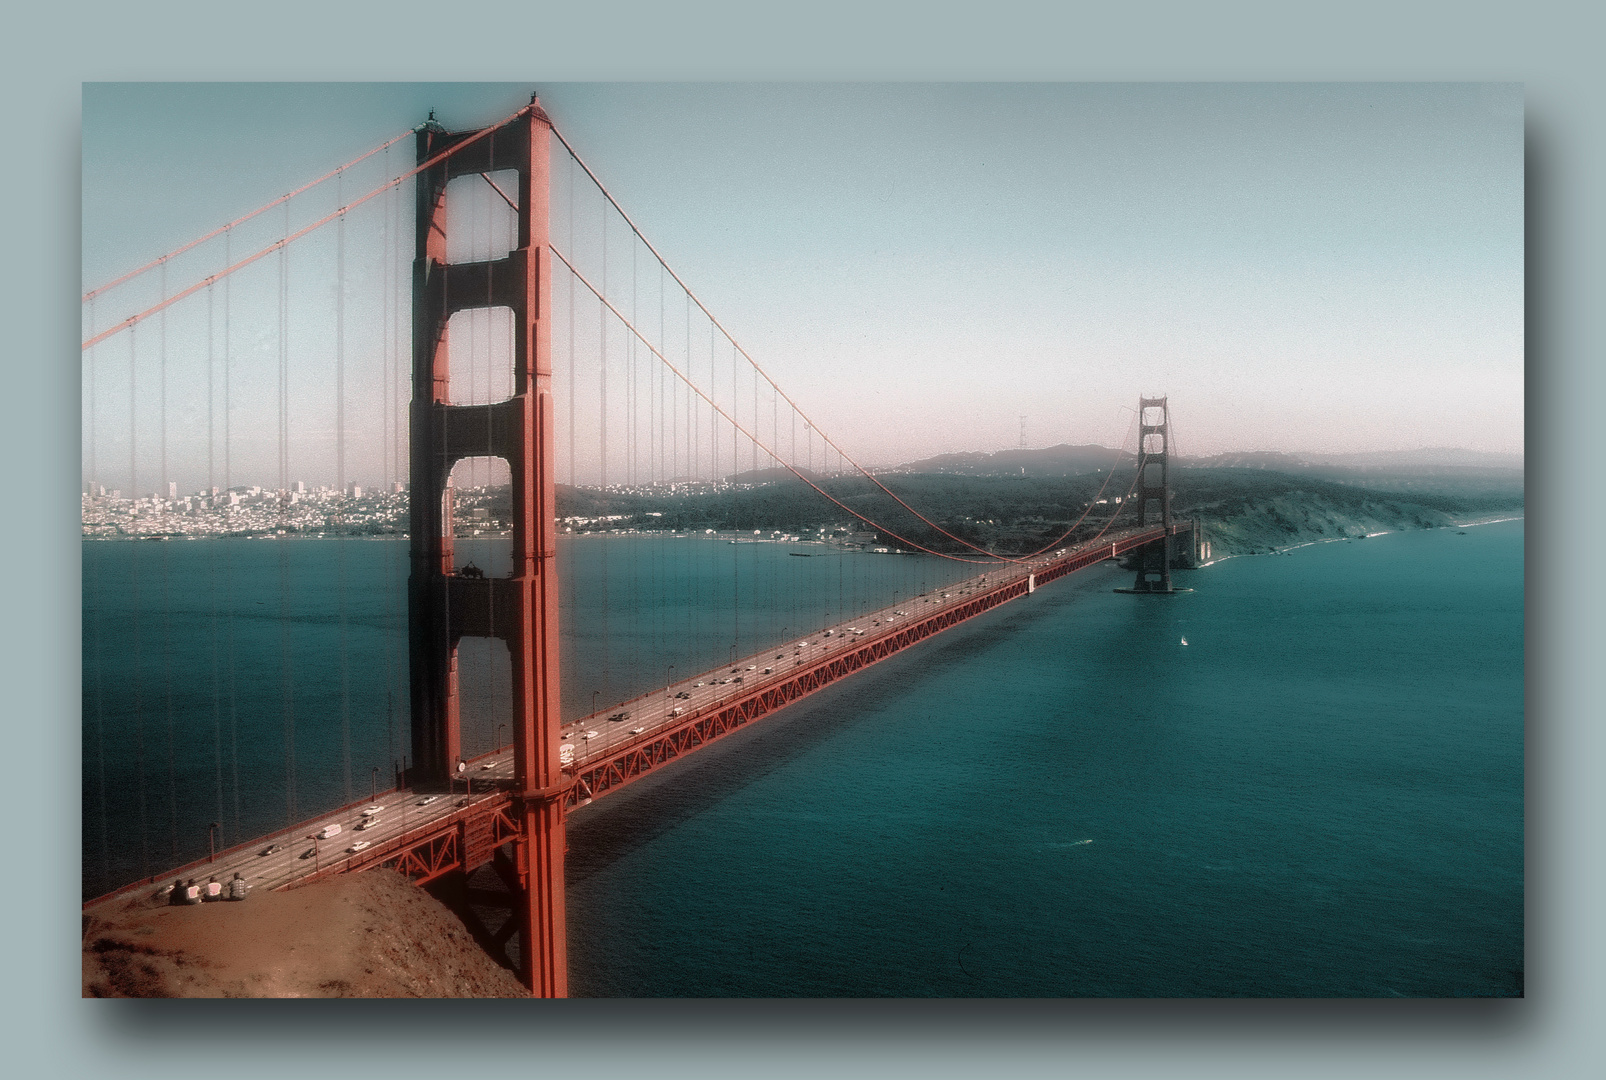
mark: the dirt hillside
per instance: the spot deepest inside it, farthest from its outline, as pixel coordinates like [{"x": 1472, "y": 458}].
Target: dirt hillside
[{"x": 359, "y": 935}]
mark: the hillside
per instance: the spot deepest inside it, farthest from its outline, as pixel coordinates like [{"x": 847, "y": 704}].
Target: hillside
[
  {"x": 359, "y": 935},
  {"x": 1245, "y": 508}
]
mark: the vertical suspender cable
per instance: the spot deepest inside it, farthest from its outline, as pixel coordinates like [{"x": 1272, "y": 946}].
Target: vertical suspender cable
[
  {"x": 286, "y": 688},
  {"x": 135, "y": 607},
  {"x": 167, "y": 600},
  {"x": 94, "y": 586},
  {"x": 211, "y": 555},
  {"x": 387, "y": 446},
  {"x": 340, "y": 481},
  {"x": 228, "y": 480}
]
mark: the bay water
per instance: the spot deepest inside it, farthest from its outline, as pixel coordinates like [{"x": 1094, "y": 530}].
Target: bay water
[{"x": 1319, "y": 794}]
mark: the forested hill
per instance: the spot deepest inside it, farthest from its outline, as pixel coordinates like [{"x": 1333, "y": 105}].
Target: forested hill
[{"x": 1244, "y": 509}]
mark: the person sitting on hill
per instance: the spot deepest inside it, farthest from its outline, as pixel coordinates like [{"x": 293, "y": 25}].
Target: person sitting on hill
[
  {"x": 214, "y": 889},
  {"x": 192, "y": 892},
  {"x": 238, "y": 888},
  {"x": 175, "y": 895}
]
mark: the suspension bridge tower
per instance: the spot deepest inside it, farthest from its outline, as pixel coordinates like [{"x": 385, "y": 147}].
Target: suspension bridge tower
[
  {"x": 521, "y": 609},
  {"x": 1154, "y": 491}
]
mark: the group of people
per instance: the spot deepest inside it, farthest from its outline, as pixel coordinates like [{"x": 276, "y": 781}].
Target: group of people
[{"x": 189, "y": 892}]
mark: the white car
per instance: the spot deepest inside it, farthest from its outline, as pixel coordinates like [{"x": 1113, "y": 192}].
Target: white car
[
  {"x": 639, "y": 730},
  {"x": 371, "y": 811},
  {"x": 358, "y": 846},
  {"x": 426, "y": 800},
  {"x": 488, "y": 765},
  {"x": 589, "y": 735},
  {"x": 329, "y": 831},
  {"x": 368, "y": 823}
]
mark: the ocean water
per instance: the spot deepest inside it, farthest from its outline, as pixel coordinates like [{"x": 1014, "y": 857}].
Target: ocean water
[
  {"x": 1321, "y": 793},
  {"x": 256, "y": 683}
]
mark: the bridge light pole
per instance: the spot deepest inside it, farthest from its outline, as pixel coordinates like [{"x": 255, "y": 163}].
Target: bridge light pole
[
  {"x": 499, "y": 728},
  {"x": 375, "y": 796},
  {"x": 211, "y": 845}
]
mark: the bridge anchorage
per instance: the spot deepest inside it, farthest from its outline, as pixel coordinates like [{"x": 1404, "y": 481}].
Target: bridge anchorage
[{"x": 1155, "y": 561}]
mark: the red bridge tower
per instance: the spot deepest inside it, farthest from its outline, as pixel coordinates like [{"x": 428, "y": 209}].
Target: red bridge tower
[
  {"x": 521, "y": 609},
  {"x": 1154, "y": 427}
]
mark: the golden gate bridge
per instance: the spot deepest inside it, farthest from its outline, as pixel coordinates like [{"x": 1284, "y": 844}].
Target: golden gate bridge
[{"x": 542, "y": 345}]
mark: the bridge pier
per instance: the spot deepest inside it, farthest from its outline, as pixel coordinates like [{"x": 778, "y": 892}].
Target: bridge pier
[{"x": 521, "y": 609}]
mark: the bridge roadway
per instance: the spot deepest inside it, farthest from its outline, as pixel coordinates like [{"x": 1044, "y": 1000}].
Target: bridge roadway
[{"x": 427, "y": 833}]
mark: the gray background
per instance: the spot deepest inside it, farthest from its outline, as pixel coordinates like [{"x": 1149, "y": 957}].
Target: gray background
[{"x": 1552, "y": 47}]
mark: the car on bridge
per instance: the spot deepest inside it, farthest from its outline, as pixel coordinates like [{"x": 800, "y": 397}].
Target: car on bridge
[
  {"x": 427, "y": 799},
  {"x": 271, "y": 849},
  {"x": 358, "y": 846},
  {"x": 368, "y": 823},
  {"x": 589, "y": 735},
  {"x": 639, "y": 730},
  {"x": 330, "y": 830}
]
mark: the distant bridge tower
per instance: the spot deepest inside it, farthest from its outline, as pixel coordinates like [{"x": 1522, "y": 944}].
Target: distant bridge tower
[
  {"x": 521, "y": 609},
  {"x": 1154, "y": 423}
]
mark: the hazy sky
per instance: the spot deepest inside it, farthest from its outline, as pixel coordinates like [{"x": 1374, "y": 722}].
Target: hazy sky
[{"x": 1300, "y": 267}]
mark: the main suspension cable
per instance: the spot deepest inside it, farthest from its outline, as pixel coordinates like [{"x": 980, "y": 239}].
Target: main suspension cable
[
  {"x": 715, "y": 323},
  {"x": 176, "y": 252},
  {"x": 720, "y": 411}
]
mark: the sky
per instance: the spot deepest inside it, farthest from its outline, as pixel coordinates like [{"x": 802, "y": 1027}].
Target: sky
[{"x": 1299, "y": 267}]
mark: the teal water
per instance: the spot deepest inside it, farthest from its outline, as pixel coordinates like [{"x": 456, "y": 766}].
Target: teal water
[
  {"x": 1320, "y": 794},
  {"x": 256, "y": 683}
]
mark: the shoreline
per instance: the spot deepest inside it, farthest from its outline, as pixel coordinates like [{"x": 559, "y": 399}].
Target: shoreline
[{"x": 1459, "y": 525}]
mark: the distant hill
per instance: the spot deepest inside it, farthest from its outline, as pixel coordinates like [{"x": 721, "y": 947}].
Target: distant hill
[
  {"x": 1059, "y": 460},
  {"x": 1425, "y": 462},
  {"x": 770, "y": 476}
]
